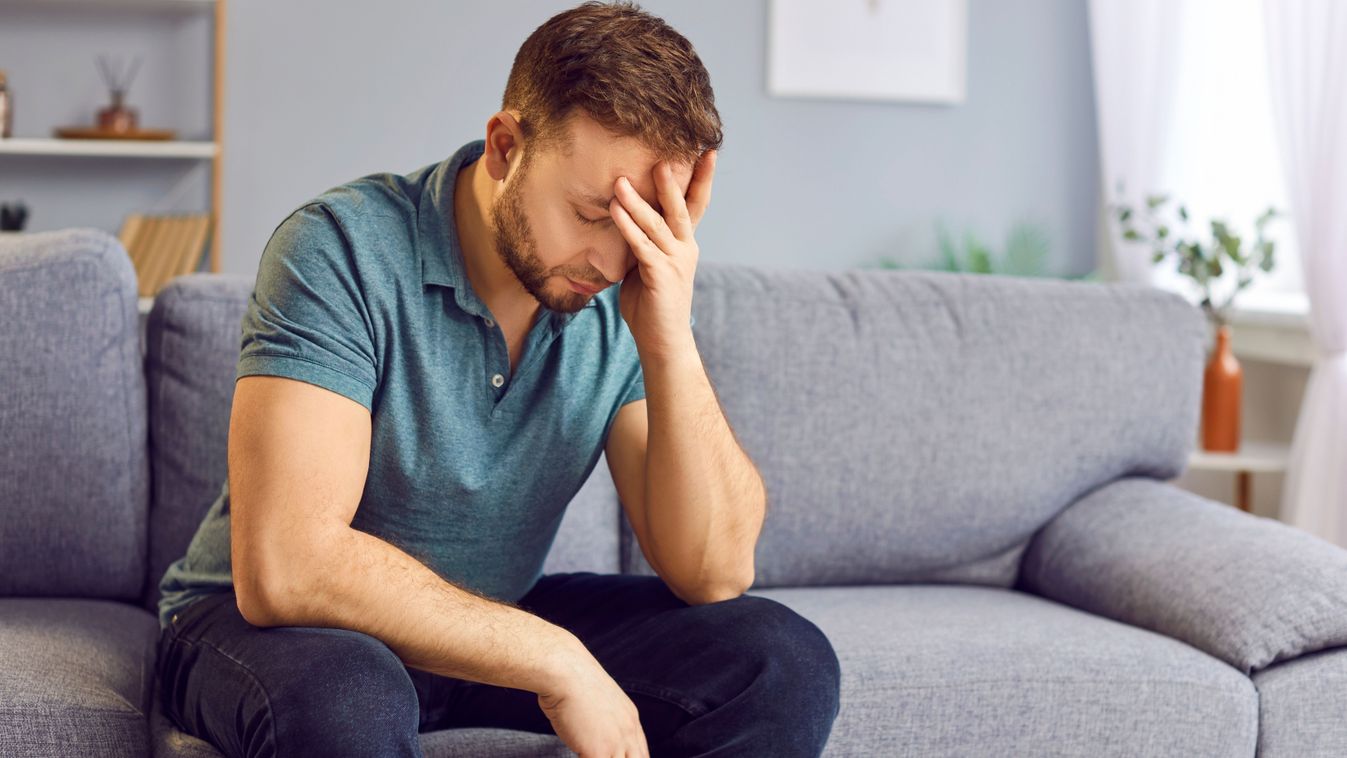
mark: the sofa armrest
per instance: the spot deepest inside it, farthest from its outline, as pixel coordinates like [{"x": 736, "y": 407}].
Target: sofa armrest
[{"x": 1246, "y": 589}]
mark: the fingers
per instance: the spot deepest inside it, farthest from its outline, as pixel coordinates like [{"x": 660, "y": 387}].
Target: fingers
[
  {"x": 699, "y": 190},
  {"x": 648, "y": 219},
  {"x": 645, "y": 250},
  {"x": 671, "y": 200}
]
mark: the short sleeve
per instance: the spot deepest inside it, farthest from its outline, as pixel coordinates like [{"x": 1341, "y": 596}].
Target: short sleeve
[
  {"x": 635, "y": 387},
  {"x": 307, "y": 318}
]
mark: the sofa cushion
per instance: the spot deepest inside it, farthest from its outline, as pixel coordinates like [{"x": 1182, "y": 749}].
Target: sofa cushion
[
  {"x": 966, "y": 670},
  {"x": 192, "y": 339},
  {"x": 74, "y": 476},
  {"x": 1302, "y": 702},
  {"x": 920, "y": 426},
  {"x": 75, "y": 677}
]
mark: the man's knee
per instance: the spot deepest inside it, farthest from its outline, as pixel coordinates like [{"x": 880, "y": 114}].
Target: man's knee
[
  {"x": 350, "y": 696},
  {"x": 792, "y": 661}
]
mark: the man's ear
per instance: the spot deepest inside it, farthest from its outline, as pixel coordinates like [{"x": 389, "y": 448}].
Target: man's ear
[{"x": 504, "y": 145}]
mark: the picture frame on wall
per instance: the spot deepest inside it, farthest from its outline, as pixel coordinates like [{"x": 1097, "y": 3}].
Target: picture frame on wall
[{"x": 912, "y": 51}]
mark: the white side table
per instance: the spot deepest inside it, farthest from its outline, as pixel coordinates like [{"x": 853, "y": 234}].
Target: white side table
[{"x": 1252, "y": 457}]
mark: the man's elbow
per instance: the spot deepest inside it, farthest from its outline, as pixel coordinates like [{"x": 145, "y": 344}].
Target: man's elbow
[
  {"x": 264, "y": 591},
  {"x": 715, "y": 592}
]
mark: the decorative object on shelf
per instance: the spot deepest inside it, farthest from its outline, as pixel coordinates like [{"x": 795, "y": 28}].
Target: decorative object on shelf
[
  {"x": 1222, "y": 381},
  {"x": 93, "y": 132},
  {"x": 117, "y": 120},
  {"x": 12, "y": 217},
  {"x": 6, "y": 108},
  {"x": 163, "y": 247},
  {"x": 117, "y": 117}
]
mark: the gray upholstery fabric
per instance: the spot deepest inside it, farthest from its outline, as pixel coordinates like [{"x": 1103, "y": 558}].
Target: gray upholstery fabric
[
  {"x": 975, "y": 671},
  {"x": 74, "y": 474},
  {"x": 192, "y": 339},
  {"x": 1246, "y": 589},
  {"x": 1302, "y": 705},
  {"x": 920, "y": 426},
  {"x": 75, "y": 677}
]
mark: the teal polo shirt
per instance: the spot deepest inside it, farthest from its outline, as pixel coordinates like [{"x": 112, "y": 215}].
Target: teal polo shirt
[{"x": 363, "y": 291}]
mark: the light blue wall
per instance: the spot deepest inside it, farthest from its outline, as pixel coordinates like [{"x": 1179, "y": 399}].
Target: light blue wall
[{"x": 319, "y": 93}]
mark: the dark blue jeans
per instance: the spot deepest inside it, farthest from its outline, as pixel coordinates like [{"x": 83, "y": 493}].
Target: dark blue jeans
[{"x": 741, "y": 677}]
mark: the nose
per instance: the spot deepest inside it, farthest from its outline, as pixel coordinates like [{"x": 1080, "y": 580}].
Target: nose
[{"x": 613, "y": 261}]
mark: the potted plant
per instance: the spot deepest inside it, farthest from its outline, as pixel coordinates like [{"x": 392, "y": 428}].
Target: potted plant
[{"x": 1207, "y": 266}]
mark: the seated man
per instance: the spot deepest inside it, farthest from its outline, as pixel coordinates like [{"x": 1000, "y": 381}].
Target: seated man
[{"x": 431, "y": 366}]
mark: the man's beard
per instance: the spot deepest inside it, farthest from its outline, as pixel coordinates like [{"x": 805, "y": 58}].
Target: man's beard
[{"x": 516, "y": 246}]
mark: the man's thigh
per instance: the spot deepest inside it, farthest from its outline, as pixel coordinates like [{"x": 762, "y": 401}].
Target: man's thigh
[{"x": 254, "y": 691}]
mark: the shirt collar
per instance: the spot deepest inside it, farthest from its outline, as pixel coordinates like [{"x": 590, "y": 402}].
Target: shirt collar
[{"x": 438, "y": 241}]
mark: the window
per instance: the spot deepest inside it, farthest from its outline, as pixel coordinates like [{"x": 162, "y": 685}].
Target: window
[{"x": 1222, "y": 156}]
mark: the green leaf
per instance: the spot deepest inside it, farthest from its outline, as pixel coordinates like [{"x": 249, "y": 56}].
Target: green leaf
[
  {"x": 1131, "y": 234},
  {"x": 1156, "y": 200},
  {"x": 1126, "y": 214},
  {"x": 1162, "y": 232},
  {"x": 979, "y": 258},
  {"x": 1027, "y": 248},
  {"x": 1183, "y": 213}
]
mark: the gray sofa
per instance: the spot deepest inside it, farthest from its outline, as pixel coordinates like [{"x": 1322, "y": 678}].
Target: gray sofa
[{"x": 968, "y": 486}]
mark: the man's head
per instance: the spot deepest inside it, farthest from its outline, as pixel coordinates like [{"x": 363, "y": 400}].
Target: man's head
[{"x": 596, "y": 92}]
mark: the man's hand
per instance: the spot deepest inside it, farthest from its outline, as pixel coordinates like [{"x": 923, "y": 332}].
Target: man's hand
[
  {"x": 656, "y": 296},
  {"x": 591, "y": 714}
]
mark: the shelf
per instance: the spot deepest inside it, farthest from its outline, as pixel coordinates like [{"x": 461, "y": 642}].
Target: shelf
[
  {"x": 181, "y": 6},
  {"x": 108, "y": 148},
  {"x": 1254, "y": 456}
]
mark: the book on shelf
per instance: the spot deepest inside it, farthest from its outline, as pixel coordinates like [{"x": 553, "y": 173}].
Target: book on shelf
[{"x": 162, "y": 247}]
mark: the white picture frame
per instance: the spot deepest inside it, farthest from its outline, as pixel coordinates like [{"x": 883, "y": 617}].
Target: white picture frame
[{"x": 882, "y": 50}]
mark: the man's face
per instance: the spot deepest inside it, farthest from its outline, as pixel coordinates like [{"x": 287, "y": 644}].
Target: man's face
[{"x": 552, "y": 222}]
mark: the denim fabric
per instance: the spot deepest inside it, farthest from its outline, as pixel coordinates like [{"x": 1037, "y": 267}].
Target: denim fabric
[{"x": 741, "y": 677}]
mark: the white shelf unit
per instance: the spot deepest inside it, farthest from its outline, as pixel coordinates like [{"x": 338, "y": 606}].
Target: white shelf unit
[
  {"x": 212, "y": 150},
  {"x": 109, "y": 148}
]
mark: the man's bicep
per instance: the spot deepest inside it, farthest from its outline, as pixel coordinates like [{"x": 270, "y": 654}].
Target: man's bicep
[
  {"x": 307, "y": 318},
  {"x": 298, "y": 458}
]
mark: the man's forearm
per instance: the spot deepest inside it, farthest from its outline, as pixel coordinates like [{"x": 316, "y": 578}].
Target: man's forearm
[
  {"x": 704, "y": 499},
  {"x": 365, "y": 584}
]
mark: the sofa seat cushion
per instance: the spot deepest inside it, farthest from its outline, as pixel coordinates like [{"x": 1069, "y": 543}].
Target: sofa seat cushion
[
  {"x": 75, "y": 677},
  {"x": 938, "y": 670}
]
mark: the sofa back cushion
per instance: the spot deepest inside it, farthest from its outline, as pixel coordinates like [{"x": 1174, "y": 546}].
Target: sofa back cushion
[
  {"x": 192, "y": 341},
  {"x": 921, "y": 425},
  {"x": 193, "y": 337},
  {"x": 74, "y": 475}
]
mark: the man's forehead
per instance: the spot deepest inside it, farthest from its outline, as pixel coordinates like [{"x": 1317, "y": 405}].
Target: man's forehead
[{"x": 595, "y": 158}]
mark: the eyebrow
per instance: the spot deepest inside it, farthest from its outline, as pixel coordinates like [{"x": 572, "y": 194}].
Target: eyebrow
[{"x": 598, "y": 201}]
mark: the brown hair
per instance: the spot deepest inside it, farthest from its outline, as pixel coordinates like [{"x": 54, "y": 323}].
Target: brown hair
[{"x": 628, "y": 70}]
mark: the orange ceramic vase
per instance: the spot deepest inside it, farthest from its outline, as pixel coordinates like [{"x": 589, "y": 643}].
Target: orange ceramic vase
[{"x": 1222, "y": 384}]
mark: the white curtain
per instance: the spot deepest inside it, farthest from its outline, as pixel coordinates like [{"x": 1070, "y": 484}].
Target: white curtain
[
  {"x": 1307, "y": 66},
  {"x": 1133, "y": 46}
]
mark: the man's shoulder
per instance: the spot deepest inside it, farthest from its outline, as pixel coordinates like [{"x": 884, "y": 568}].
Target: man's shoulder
[
  {"x": 370, "y": 221},
  {"x": 375, "y": 205}
]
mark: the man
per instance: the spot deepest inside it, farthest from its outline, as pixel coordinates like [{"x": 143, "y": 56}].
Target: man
[{"x": 431, "y": 366}]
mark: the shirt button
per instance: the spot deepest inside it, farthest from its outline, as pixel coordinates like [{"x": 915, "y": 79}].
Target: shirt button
[
  {"x": 490, "y": 323},
  {"x": 497, "y": 380}
]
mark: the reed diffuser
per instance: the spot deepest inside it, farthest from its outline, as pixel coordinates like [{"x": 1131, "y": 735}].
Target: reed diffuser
[{"x": 118, "y": 117}]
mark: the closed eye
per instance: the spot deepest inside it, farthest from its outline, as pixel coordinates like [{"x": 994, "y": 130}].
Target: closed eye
[{"x": 590, "y": 221}]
